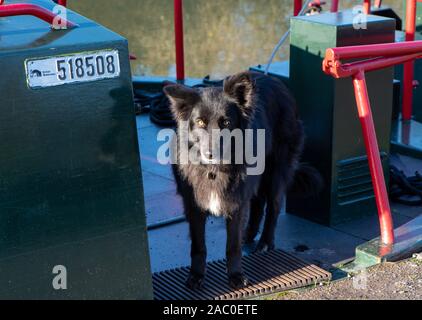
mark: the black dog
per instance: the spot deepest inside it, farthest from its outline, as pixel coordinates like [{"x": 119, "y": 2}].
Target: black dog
[{"x": 246, "y": 101}]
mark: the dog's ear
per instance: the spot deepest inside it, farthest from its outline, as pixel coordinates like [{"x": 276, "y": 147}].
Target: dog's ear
[
  {"x": 182, "y": 99},
  {"x": 240, "y": 87}
]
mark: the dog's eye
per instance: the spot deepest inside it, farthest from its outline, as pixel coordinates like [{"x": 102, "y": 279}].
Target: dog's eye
[
  {"x": 226, "y": 123},
  {"x": 200, "y": 123}
]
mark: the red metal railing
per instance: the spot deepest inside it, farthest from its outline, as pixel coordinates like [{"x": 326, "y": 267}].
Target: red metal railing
[
  {"x": 297, "y": 6},
  {"x": 178, "y": 28},
  {"x": 377, "y": 56},
  {"x": 334, "y": 6},
  {"x": 20, "y": 9},
  {"x": 178, "y": 36},
  {"x": 366, "y": 5},
  {"x": 409, "y": 67}
]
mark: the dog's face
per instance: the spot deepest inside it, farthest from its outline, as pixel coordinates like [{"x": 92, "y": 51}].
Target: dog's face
[{"x": 209, "y": 111}]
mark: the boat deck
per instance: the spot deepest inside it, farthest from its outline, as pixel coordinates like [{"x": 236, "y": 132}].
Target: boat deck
[{"x": 315, "y": 243}]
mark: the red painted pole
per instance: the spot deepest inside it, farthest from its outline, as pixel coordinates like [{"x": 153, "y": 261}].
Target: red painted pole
[
  {"x": 382, "y": 56},
  {"x": 22, "y": 9},
  {"x": 297, "y": 7},
  {"x": 372, "y": 51},
  {"x": 409, "y": 67},
  {"x": 178, "y": 36},
  {"x": 349, "y": 69},
  {"x": 367, "y": 6},
  {"x": 374, "y": 159},
  {"x": 334, "y": 5}
]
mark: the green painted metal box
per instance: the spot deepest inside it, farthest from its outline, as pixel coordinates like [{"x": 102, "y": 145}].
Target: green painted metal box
[
  {"x": 72, "y": 220},
  {"x": 334, "y": 142}
]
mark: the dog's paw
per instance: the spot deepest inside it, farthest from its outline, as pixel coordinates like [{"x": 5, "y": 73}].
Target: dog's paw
[
  {"x": 263, "y": 246},
  {"x": 238, "y": 281},
  {"x": 195, "y": 281}
]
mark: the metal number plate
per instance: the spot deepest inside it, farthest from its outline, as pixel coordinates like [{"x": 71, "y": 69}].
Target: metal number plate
[{"x": 80, "y": 67}]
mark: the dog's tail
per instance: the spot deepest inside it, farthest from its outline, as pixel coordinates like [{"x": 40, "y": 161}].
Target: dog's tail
[{"x": 307, "y": 182}]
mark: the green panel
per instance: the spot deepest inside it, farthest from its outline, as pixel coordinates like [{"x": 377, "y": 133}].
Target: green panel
[
  {"x": 70, "y": 179},
  {"x": 328, "y": 108}
]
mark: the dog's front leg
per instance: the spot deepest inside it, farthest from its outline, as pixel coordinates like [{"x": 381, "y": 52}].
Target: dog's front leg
[
  {"x": 234, "y": 249},
  {"x": 197, "y": 221}
]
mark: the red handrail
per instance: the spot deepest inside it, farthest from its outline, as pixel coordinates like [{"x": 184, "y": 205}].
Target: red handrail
[
  {"x": 374, "y": 160},
  {"x": 409, "y": 67},
  {"x": 178, "y": 36},
  {"x": 297, "y": 7},
  {"x": 21, "y": 9},
  {"x": 376, "y": 57},
  {"x": 371, "y": 51},
  {"x": 334, "y": 5},
  {"x": 366, "y": 5},
  {"x": 178, "y": 27},
  {"x": 378, "y": 3}
]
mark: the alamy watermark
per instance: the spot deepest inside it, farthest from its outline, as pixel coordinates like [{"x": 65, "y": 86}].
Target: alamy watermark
[
  {"x": 60, "y": 277},
  {"x": 220, "y": 146},
  {"x": 360, "y": 19},
  {"x": 360, "y": 281},
  {"x": 60, "y": 20}
]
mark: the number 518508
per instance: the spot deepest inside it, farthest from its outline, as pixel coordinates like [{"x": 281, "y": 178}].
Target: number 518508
[{"x": 85, "y": 67}]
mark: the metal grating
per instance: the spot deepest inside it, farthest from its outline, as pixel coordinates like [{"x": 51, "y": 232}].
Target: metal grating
[
  {"x": 267, "y": 272},
  {"x": 354, "y": 180}
]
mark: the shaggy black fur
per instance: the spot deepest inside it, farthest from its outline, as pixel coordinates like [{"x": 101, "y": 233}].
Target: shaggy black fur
[{"x": 246, "y": 100}]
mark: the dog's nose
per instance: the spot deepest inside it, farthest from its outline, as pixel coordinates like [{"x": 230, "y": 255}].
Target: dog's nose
[{"x": 208, "y": 154}]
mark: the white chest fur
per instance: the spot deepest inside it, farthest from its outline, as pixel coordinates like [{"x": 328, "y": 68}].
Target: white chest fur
[{"x": 214, "y": 204}]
